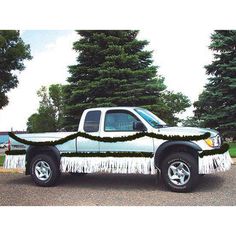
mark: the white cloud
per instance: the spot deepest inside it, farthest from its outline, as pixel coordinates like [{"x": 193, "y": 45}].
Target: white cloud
[
  {"x": 181, "y": 59},
  {"x": 181, "y": 55},
  {"x": 47, "y": 67}
]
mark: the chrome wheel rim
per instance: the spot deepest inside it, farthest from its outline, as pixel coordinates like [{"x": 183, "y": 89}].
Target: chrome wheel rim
[
  {"x": 42, "y": 170},
  {"x": 179, "y": 173}
]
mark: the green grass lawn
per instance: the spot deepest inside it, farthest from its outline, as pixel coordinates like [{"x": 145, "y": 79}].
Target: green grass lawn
[
  {"x": 232, "y": 149},
  {"x": 2, "y": 157}
]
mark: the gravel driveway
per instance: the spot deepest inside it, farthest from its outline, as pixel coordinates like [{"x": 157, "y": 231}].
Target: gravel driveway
[{"x": 116, "y": 190}]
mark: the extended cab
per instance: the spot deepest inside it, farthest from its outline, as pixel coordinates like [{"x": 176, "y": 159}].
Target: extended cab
[{"x": 178, "y": 161}]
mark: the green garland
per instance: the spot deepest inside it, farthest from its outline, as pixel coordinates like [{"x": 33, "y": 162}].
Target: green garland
[
  {"x": 111, "y": 140},
  {"x": 206, "y": 135},
  {"x": 224, "y": 148},
  {"x": 91, "y": 154},
  {"x": 108, "y": 154},
  {"x": 16, "y": 152}
]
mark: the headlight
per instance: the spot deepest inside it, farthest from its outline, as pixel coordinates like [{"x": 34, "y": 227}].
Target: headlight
[
  {"x": 213, "y": 141},
  {"x": 209, "y": 142}
]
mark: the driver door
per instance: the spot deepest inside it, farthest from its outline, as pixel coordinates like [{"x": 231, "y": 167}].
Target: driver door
[{"x": 120, "y": 123}]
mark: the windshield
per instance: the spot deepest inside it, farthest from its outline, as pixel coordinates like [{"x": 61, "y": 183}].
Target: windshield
[{"x": 153, "y": 120}]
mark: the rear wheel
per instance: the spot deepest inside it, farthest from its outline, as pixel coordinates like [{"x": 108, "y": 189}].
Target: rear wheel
[
  {"x": 44, "y": 170},
  {"x": 180, "y": 171}
]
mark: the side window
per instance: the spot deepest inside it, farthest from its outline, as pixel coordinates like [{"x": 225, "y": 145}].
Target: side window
[
  {"x": 92, "y": 120},
  {"x": 119, "y": 121}
]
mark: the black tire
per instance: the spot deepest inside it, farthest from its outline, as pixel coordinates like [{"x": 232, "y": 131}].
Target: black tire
[
  {"x": 77, "y": 174},
  {"x": 52, "y": 168},
  {"x": 186, "y": 182}
]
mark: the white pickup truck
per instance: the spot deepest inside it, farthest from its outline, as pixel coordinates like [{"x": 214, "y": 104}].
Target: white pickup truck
[{"x": 178, "y": 160}]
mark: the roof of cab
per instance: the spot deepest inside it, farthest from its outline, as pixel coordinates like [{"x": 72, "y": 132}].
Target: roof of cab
[{"x": 111, "y": 108}]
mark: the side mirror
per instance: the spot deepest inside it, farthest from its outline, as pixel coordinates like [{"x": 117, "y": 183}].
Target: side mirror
[{"x": 139, "y": 126}]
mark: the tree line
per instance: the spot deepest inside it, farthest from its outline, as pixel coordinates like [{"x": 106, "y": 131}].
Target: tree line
[
  {"x": 114, "y": 68},
  {"x": 216, "y": 105}
]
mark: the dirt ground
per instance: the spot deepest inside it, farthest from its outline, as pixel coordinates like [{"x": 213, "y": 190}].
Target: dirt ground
[{"x": 116, "y": 190}]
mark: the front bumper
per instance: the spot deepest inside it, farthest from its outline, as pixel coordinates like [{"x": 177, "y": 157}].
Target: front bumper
[{"x": 214, "y": 163}]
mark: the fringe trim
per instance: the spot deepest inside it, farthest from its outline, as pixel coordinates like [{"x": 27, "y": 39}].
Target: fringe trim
[
  {"x": 214, "y": 163},
  {"x": 123, "y": 165},
  {"x": 14, "y": 162}
]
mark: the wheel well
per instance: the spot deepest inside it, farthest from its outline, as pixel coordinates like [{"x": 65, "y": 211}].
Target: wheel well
[
  {"x": 173, "y": 149},
  {"x": 33, "y": 151}
]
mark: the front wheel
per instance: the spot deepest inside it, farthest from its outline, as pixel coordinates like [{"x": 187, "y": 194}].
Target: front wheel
[
  {"x": 180, "y": 171},
  {"x": 44, "y": 170}
]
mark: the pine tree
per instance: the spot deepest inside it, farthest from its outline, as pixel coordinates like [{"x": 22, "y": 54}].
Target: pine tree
[
  {"x": 114, "y": 69},
  {"x": 216, "y": 107},
  {"x": 13, "y": 51}
]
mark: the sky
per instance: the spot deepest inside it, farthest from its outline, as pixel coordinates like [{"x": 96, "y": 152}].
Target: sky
[
  {"x": 52, "y": 53},
  {"x": 181, "y": 58}
]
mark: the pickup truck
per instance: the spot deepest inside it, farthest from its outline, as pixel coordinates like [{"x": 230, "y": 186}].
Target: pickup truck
[{"x": 177, "y": 160}]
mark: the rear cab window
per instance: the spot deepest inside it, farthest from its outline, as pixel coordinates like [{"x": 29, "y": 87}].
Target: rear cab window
[{"x": 92, "y": 121}]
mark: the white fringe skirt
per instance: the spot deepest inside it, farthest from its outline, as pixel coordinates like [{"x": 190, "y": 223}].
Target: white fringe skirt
[
  {"x": 123, "y": 165},
  {"x": 214, "y": 163},
  {"x": 14, "y": 162}
]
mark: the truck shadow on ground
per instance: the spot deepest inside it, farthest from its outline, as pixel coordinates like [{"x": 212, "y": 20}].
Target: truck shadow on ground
[
  {"x": 141, "y": 182},
  {"x": 207, "y": 183},
  {"x": 112, "y": 181}
]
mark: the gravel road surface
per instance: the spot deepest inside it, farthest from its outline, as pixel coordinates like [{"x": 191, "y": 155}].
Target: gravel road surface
[{"x": 116, "y": 190}]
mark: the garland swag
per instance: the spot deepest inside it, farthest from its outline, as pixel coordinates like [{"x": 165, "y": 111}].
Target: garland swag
[
  {"x": 206, "y": 135},
  {"x": 224, "y": 148},
  {"x": 112, "y": 140}
]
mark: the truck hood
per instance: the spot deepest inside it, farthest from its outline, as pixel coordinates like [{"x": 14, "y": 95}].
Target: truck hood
[{"x": 183, "y": 131}]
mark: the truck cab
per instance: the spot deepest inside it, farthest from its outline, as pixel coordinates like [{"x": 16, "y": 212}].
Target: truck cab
[{"x": 116, "y": 122}]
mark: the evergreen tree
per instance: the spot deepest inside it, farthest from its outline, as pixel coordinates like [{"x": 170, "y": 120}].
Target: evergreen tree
[
  {"x": 12, "y": 53},
  {"x": 216, "y": 107},
  {"x": 49, "y": 114},
  {"x": 191, "y": 121},
  {"x": 114, "y": 69},
  {"x": 56, "y": 101}
]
